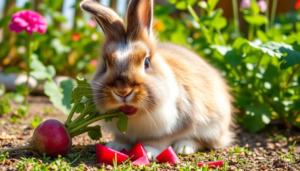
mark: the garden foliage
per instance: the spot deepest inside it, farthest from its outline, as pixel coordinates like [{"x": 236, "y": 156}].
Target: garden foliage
[{"x": 261, "y": 65}]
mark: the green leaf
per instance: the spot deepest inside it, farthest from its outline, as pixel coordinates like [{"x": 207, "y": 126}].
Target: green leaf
[
  {"x": 5, "y": 21},
  {"x": 18, "y": 98},
  {"x": 83, "y": 89},
  {"x": 212, "y": 4},
  {"x": 13, "y": 70},
  {"x": 257, "y": 20},
  {"x": 39, "y": 71},
  {"x": 54, "y": 5},
  {"x": 21, "y": 89},
  {"x": 2, "y": 89},
  {"x": 122, "y": 123},
  {"x": 109, "y": 119},
  {"x": 55, "y": 96},
  {"x": 36, "y": 121},
  {"x": 59, "y": 47},
  {"x": 233, "y": 57},
  {"x": 59, "y": 17},
  {"x": 292, "y": 57},
  {"x": 80, "y": 108},
  {"x": 219, "y": 23},
  {"x": 95, "y": 132},
  {"x": 263, "y": 37},
  {"x": 22, "y": 110},
  {"x": 67, "y": 86},
  {"x": 270, "y": 48},
  {"x": 182, "y": 4},
  {"x": 256, "y": 118}
]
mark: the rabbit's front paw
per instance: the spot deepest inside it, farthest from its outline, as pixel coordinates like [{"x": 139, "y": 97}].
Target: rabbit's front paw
[
  {"x": 118, "y": 146},
  {"x": 152, "y": 152},
  {"x": 186, "y": 147}
]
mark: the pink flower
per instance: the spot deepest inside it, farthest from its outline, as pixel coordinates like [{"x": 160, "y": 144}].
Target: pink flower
[
  {"x": 245, "y": 4},
  {"x": 29, "y": 21},
  {"x": 92, "y": 23},
  {"x": 94, "y": 62},
  {"x": 262, "y": 5}
]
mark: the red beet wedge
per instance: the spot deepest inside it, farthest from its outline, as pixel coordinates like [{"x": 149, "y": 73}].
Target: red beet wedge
[
  {"x": 141, "y": 161},
  {"x": 107, "y": 155},
  {"x": 168, "y": 156},
  {"x": 124, "y": 151},
  {"x": 137, "y": 152},
  {"x": 213, "y": 164}
]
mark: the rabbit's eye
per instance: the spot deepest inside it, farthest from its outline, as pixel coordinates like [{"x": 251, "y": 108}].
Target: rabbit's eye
[
  {"x": 146, "y": 63},
  {"x": 105, "y": 64}
]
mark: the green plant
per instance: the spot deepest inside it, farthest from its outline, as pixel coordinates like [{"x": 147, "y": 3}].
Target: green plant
[
  {"x": 262, "y": 67},
  {"x": 36, "y": 121}
]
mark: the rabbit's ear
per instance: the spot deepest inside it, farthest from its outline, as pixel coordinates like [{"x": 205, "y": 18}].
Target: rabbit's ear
[
  {"x": 139, "y": 18},
  {"x": 110, "y": 22}
]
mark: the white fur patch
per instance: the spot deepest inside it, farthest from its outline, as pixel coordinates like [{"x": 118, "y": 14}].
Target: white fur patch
[
  {"x": 152, "y": 152},
  {"x": 186, "y": 147},
  {"x": 118, "y": 146}
]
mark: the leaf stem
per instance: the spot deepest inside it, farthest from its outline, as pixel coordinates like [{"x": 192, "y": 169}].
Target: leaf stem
[
  {"x": 76, "y": 122},
  {"x": 26, "y": 147},
  {"x": 256, "y": 68},
  {"x": 267, "y": 15},
  {"x": 69, "y": 120},
  {"x": 291, "y": 77},
  {"x": 94, "y": 120},
  {"x": 81, "y": 116},
  {"x": 194, "y": 15},
  {"x": 81, "y": 131},
  {"x": 39, "y": 83},
  {"x": 274, "y": 7},
  {"x": 236, "y": 17},
  {"x": 251, "y": 32},
  {"x": 29, "y": 52},
  {"x": 221, "y": 36}
]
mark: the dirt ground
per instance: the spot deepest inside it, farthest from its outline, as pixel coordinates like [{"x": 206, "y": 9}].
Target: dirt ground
[{"x": 267, "y": 148}]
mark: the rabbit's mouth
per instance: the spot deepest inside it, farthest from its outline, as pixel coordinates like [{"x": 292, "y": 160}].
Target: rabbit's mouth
[{"x": 128, "y": 110}]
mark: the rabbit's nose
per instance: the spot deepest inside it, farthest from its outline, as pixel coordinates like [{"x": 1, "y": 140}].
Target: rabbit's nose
[{"x": 123, "y": 93}]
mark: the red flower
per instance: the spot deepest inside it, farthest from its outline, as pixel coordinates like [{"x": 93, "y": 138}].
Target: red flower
[
  {"x": 297, "y": 5},
  {"x": 76, "y": 36}
]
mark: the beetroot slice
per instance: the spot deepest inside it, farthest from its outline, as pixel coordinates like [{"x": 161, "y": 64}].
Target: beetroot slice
[
  {"x": 141, "y": 161},
  {"x": 124, "y": 151},
  {"x": 213, "y": 164},
  {"x": 137, "y": 152},
  {"x": 107, "y": 155},
  {"x": 169, "y": 156}
]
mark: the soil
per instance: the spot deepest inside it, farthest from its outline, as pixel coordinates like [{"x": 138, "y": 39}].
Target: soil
[{"x": 267, "y": 147}]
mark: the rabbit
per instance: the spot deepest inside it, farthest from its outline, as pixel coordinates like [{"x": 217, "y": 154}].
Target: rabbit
[{"x": 171, "y": 96}]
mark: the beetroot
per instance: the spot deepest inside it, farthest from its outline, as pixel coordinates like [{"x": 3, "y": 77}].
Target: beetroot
[
  {"x": 107, "y": 155},
  {"x": 50, "y": 137},
  {"x": 141, "y": 161},
  {"x": 168, "y": 155},
  {"x": 137, "y": 152},
  {"x": 213, "y": 164},
  {"x": 124, "y": 151}
]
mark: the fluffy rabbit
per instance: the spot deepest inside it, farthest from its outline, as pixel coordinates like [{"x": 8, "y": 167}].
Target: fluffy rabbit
[{"x": 170, "y": 95}]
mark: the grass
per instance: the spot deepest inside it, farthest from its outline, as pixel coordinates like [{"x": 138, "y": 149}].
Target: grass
[{"x": 76, "y": 161}]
